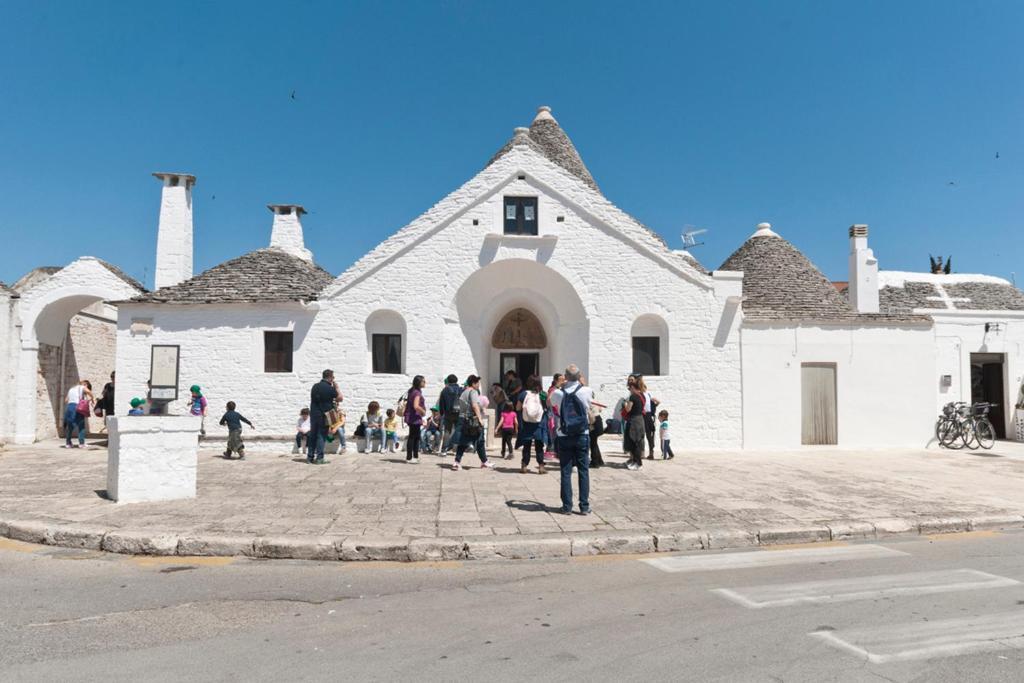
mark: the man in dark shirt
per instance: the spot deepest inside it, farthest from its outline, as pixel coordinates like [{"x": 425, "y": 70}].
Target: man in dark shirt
[
  {"x": 321, "y": 399},
  {"x": 446, "y": 407}
]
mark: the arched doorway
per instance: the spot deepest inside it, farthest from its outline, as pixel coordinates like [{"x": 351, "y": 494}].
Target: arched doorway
[
  {"x": 68, "y": 330},
  {"x": 519, "y": 339},
  {"x": 509, "y": 305}
]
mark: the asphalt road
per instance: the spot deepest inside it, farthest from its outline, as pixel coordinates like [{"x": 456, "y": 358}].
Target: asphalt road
[{"x": 947, "y": 608}]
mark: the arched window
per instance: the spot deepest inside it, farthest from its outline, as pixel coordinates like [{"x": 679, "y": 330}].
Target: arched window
[
  {"x": 650, "y": 345},
  {"x": 385, "y": 342}
]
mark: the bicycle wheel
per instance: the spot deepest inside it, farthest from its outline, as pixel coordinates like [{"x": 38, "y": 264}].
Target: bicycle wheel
[
  {"x": 985, "y": 433},
  {"x": 945, "y": 432},
  {"x": 968, "y": 434}
]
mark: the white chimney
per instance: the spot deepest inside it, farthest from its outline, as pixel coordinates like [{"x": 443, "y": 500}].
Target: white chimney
[
  {"x": 863, "y": 286},
  {"x": 286, "y": 234},
  {"x": 174, "y": 235}
]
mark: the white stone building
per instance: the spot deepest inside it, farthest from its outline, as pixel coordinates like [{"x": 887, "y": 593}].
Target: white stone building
[{"x": 528, "y": 266}]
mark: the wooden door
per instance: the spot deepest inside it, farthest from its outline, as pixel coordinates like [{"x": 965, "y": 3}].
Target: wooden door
[{"x": 819, "y": 423}]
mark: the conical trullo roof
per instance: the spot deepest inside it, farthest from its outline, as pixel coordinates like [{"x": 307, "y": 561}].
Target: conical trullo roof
[
  {"x": 780, "y": 283},
  {"x": 546, "y": 137}
]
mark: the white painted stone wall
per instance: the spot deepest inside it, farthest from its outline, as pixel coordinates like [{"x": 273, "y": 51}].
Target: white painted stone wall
[
  {"x": 8, "y": 342},
  {"x": 152, "y": 458},
  {"x": 885, "y": 383},
  {"x": 958, "y": 335},
  {"x": 588, "y": 277},
  {"x": 43, "y": 313},
  {"x": 222, "y": 352}
]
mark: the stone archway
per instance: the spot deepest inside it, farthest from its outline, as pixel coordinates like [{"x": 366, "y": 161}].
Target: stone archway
[
  {"x": 46, "y": 311},
  {"x": 486, "y": 303}
]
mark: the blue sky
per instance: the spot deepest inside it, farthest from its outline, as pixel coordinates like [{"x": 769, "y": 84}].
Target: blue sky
[{"x": 810, "y": 115}]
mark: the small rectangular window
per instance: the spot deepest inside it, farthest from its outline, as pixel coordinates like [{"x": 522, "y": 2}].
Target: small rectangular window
[
  {"x": 277, "y": 351},
  {"x": 520, "y": 215},
  {"x": 387, "y": 354},
  {"x": 647, "y": 355}
]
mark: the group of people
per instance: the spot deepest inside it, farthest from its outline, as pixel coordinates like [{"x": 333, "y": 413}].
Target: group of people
[{"x": 564, "y": 421}]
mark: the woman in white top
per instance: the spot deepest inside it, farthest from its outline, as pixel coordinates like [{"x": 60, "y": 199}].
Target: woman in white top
[{"x": 73, "y": 417}]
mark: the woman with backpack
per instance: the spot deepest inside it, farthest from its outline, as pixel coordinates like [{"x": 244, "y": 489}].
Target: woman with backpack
[
  {"x": 531, "y": 407},
  {"x": 413, "y": 414}
]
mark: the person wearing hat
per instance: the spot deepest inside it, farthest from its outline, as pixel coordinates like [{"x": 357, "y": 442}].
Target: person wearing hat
[
  {"x": 197, "y": 406},
  {"x": 137, "y": 404}
]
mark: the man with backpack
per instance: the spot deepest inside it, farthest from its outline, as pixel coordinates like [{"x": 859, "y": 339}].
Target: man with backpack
[
  {"x": 447, "y": 408},
  {"x": 572, "y": 401}
]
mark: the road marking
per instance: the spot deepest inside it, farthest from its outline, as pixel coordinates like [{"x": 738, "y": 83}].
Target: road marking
[
  {"x": 761, "y": 558},
  {"x": 160, "y": 560},
  {"x": 19, "y": 547},
  {"x": 926, "y": 640},
  {"x": 863, "y": 588}
]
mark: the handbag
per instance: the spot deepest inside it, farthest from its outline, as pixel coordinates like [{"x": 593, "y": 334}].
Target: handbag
[
  {"x": 83, "y": 407},
  {"x": 360, "y": 432},
  {"x": 472, "y": 428},
  {"x": 98, "y": 411}
]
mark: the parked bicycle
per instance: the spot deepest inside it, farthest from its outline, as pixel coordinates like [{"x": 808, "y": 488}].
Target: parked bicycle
[{"x": 962, "y": 425}]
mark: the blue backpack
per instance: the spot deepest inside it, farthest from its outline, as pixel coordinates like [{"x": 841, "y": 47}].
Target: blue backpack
[{"x": 572, "y": 415}]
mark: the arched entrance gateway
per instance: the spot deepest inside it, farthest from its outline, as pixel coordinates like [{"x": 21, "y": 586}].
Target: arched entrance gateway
[
  {"x": 517, "y": 314},
  {"x": 68, "y": 331}
]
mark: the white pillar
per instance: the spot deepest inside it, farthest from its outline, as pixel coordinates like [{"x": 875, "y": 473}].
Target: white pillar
[
  {"x": 174, "y": 234},
  {"x": 863, "y": 285},
  {"x": 286, "y": 233},
  {"x": 25, "y": 393}
]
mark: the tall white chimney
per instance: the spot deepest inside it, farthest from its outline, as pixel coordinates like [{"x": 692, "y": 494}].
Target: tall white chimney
[
  {"x": 174, "y": 236},
  {"x": 863, "y": 272},
  {"x": 286, "y": 234}
]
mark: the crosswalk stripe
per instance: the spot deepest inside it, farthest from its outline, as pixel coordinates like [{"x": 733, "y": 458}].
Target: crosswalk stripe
[
  {"x": 863, "y": 588},
  {"x": 762, "y": 558},
  {"x": 926, "y": 640}
]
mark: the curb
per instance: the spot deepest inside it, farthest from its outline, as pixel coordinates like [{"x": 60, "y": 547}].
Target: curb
[{"x": 512, "y": 547}]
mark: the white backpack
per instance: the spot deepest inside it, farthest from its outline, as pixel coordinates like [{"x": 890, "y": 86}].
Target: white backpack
[{"x": 533, "y": 410}]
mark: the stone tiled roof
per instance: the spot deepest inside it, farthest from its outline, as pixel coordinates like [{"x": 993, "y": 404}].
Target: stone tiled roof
[
  {"x": 265, "y": 275},
  {"x": 780, "y": 283},
  {"x": 904, "y": 292},
  {"x": 122, "y": 275},
  {"x": 548, "y": 138},
  {"x": 695, "y": 263}
]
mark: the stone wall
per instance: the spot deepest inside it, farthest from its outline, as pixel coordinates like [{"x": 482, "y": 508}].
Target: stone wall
[{"x": 88, "y": 354}]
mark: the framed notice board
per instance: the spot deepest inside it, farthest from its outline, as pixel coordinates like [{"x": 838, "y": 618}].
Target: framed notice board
[{"x": 163, "y": 372}]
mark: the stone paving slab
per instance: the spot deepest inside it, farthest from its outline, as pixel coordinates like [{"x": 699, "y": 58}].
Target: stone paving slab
[{"x": 378, "y": 507}]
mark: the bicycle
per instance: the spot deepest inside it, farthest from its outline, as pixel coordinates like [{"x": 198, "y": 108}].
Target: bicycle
[{"x": 962, "y": 425}]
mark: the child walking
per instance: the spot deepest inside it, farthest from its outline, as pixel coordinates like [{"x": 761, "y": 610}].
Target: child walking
[
  {"x": 509, "y": 425},
  {"x": 234, "y": 420},
  {"x": 391, "y": 431},
  {"x": 666, "y": 447},
  {"x": 302, "y": 428}
]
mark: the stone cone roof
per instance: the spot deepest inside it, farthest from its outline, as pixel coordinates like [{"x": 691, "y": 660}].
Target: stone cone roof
[
  {"x": 547, "y": 137},
  {"x": 262, "y": 276},
  {"x": 780, "y": 283}
]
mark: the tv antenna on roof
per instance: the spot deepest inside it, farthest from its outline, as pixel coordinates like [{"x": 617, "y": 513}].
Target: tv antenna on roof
[{"x": 690, "y": 236}]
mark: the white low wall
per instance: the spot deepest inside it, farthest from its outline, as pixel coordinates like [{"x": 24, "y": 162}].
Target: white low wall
[{"x": 152, "y": 458}]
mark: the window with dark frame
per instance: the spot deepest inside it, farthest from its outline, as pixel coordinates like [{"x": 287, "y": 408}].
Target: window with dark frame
[
  {"x": 647, "y": 355},
  {"x": 277, "y": 351},
  {"x": 520, "y": 215},
  {"x": 387, "y": 354}
]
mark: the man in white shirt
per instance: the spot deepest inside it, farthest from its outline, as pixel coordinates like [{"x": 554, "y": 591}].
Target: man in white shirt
[{"x": 572, "y": 403}]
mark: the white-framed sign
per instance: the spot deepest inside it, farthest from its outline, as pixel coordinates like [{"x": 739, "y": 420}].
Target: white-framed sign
[{"x": 163, "y": 372}]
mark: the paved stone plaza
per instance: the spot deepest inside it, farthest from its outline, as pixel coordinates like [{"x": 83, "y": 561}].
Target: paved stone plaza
[{"x": 270, "y": 503}]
